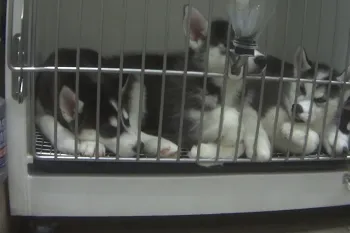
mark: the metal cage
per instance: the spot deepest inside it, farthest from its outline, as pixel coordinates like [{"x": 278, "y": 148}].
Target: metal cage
[{"x": 43, "y": 181}]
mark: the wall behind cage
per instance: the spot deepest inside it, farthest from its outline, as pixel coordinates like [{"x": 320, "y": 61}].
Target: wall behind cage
[{"x": 325, "y": 19}]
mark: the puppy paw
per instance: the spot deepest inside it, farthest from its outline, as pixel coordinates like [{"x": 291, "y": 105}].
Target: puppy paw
[
  {"x": 88, "y": 148},
  {"x": 299, "y": 139},
  {"x": 207, "y": 152},
  {"x": 263, "y": 151},
  {"x": 167, "y": 148},
  {"x": 263, "y": 147},
  {"x": 340, "y": 148}
]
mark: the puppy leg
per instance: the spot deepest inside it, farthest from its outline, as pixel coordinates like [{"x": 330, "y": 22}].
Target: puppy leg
[
  {"x": 341, "y": 146},
  {"x": 65, "y": 139},
  {"x": 167, "y": 148},
  {"x": 299, "y": 139},
  {"x": 228, "y": 137},
  {"x": 263, "y": 146},
  {"x": 208, "y": 153}
]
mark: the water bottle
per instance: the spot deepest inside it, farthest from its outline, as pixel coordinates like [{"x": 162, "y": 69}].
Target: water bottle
[{"x": 3, "y": 144}]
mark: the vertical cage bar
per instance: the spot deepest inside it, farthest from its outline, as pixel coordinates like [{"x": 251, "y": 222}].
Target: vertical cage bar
[
  {"x": 244, "y": 83},
  {"x": 314, "y": 79},
  {"x": 261, "y": 101},
  {"x": 298, "y": 77},
  {"x": 98, "y": 98},
  {"x": 184, "y": 81},
  {"x": 224, "y": 89},
  {"x": 56, "y": 75},
  {"x": 330, "y": 80},
  {"x": 165, "y": 56},
  {"x": 257, "y": 131},
  {"x": 280, "y": 84},
  {"x": 142, "y": 77},
  {"x": 205, "y": 80},
  {"x": 9, "y": 32},
  {"x": 121, "y": 66},
  {"x": 342, "y": 93},
  {"x": 32, "y": 51},
  {"x": 77, "y": 79}
]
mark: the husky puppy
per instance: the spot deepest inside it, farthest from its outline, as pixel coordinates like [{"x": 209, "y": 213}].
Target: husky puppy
[
  {"x": 194, "y": 90},
  {"x": 86, "y": 108},
  {"x": 307, "y": 105},
  {"x": 217, "y": 56}
]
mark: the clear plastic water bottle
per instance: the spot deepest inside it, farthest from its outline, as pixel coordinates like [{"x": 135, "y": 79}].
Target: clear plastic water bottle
[{"x": 3, "y": 144}]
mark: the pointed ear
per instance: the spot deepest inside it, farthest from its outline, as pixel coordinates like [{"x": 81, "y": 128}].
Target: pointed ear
[
  {"x": 198, "y": 26},
  {"x": 301, "y": 60},
  {"x": 128, "y": 81},
  {"x": 68, "y": 104},
  {"x": 344, "y": 75}
]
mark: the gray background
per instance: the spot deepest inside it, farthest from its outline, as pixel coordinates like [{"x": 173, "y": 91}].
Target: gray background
[{"x": 326, "y": 22}]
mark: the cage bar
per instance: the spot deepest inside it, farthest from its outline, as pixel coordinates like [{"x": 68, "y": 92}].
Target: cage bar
[
  {"x": 121, "y": 66},
  {"x": 330, "y": 78},
  {"x": 314, "y": 80},
  {"x": 210, "y": 13},
  {"x": 280, "y": 81},
  {"x": 182, "y": 109},
  {"x": 56, "y": 76},
  {"x": 297, "y": 89},
  {"x": 165, "y": 56}
]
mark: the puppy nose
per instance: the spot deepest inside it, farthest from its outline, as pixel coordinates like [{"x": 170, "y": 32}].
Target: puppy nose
[
  {"x": 142, "y": 148},
  {"x": 298, "y": 109},
  {"x": 260, "y": 61}
]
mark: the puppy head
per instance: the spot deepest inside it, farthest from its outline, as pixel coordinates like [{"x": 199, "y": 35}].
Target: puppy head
[{"x": 196, "y": 27}]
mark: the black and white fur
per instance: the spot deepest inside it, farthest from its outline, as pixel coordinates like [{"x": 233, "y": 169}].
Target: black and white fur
[
  {"x": 303, "y": 105},
  {"x": 270, "y": 97},
  {"x": 86, "y": 108},
  {"x": 213, "y": 96},
  {"x": 217, "y": 52},
  {"x": 341, "y": 141}
]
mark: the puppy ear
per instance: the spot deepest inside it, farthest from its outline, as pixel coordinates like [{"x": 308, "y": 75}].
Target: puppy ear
[
  {"x": 68, "y": 104},
  {"x": 344, "y": 76},
  {"x": 198, "y": 26},
  {"x": 301, "y": 61}
]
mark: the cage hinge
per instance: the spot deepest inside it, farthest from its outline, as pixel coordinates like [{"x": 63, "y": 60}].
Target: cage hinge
[{"x": 17, "y": 59}]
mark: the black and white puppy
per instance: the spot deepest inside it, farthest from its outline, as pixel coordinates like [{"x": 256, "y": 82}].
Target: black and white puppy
[
  {"x": 217, "y": 56},
  {"x": 86, "y": 109},
  {"x": 309, "y": 103},
  {"x": 194, "y": 91}
]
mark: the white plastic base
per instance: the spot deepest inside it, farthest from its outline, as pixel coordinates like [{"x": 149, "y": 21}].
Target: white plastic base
[{"x": 182, "y": 195}]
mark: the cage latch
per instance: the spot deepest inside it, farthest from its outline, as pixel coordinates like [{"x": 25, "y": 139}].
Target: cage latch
[{"x": 18, "y": 90}]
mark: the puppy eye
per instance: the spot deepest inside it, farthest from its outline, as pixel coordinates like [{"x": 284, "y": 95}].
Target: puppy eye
[{"x": 320, "y": 100}]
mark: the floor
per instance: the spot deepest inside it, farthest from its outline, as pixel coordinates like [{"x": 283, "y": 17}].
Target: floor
[{"x": 335, "y": 220}]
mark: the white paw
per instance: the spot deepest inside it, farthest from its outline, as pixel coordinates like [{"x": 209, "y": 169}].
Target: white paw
[
  {"x": 341, "y": 147},
  {"x": 230, "y": 130},
  {"x": 88, "y": 148},
  {"x": 209, "y": 152},
  {"x": 298, "y": 138},
  {"x": 263, "y": 150},
  {"x": 66, "y": 146},
  {"x": 167, "y": 148}
]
